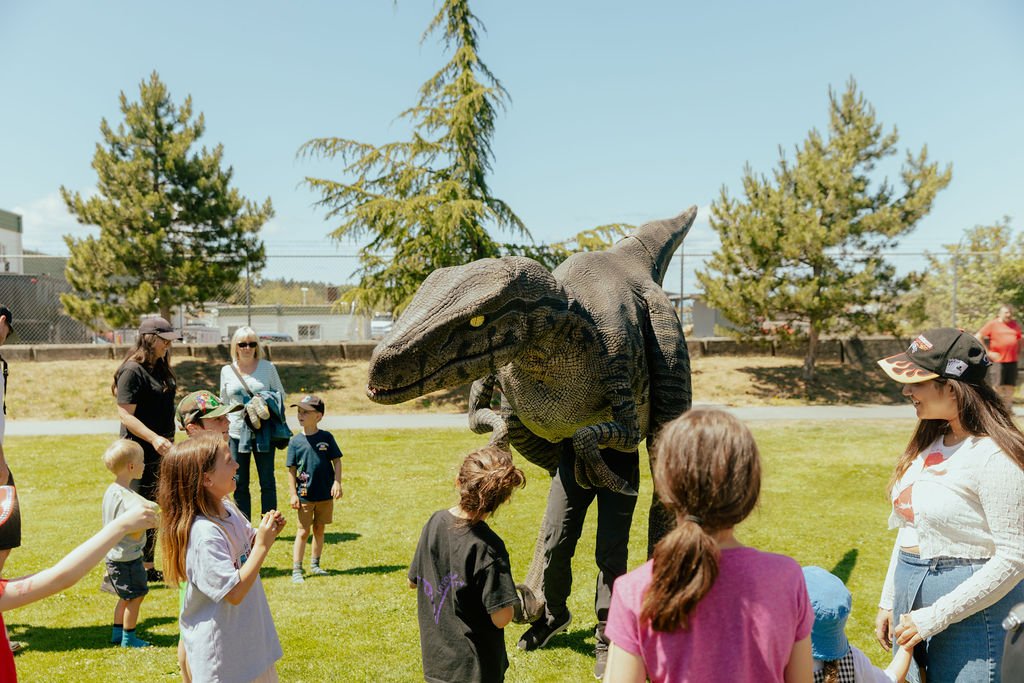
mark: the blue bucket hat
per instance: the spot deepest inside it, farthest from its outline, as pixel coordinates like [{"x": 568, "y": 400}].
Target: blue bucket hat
[{"x": 832, "y": 603}]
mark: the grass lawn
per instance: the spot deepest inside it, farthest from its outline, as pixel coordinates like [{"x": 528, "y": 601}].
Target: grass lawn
[
  {"x": 823, "y": 503},
  {"x": 729, "y": 380}
]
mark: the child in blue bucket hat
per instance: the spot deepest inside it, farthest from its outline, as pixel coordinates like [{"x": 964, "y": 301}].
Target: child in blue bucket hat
[{"x": 835, "y": 660}]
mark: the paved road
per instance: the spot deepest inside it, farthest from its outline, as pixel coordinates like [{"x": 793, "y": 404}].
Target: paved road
[{"x": 458, "y": 420}]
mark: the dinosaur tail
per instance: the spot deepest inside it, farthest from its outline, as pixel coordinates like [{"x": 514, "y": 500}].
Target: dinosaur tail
[{"x": 659, "y": 240}]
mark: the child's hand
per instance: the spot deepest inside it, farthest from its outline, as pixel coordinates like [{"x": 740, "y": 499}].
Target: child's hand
[
  {"x": 294, "y": 502},
  {"x": 138, "y": 518},
  {"x": 270, "y": 526},
  {"x": 336, "y": 491}
]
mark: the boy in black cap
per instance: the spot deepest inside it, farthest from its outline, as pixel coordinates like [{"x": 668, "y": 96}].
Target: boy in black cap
[{"x": 314, "y": 477}]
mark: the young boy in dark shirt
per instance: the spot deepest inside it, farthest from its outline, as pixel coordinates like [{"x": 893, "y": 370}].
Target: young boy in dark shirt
[{"x": 314, "y": 477}]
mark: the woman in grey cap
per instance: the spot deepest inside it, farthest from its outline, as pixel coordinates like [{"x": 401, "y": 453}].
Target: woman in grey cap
[
  {"x": 958, "y": 562},
  {"x": 144, "y": 388}
]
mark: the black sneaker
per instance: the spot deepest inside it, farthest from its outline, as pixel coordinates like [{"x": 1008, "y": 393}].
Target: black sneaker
[
  {"x": 154, "y": 575},
  {"x": 600, "y": 659},
  {"x": 538, "y": 635}
]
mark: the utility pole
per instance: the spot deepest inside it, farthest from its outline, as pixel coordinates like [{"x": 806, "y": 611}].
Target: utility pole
[
  {"x": 956, "y": 277},
  {"x": 248, "y": 293}
]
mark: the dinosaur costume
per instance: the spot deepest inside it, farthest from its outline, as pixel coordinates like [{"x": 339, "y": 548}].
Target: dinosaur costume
[{"x": 590, "y": 357}]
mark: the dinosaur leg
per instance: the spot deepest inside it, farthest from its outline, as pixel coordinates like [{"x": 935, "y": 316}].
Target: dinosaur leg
[
  {"x": 659, "y": 520},
  {"x": 551, "y": 570},
  {"x": 545, "y": 454},
  {"x": 614, "y": 520}
]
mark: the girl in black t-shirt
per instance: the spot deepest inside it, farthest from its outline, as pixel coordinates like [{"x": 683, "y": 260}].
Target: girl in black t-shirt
[{"x": 466, "y": 593}]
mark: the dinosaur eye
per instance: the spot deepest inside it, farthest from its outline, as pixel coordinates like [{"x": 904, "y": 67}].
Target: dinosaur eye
[{"x": 476, "y": 321}]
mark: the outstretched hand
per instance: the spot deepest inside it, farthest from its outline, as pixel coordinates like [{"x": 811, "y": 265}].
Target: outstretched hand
[{"x": 138, "y": 518}]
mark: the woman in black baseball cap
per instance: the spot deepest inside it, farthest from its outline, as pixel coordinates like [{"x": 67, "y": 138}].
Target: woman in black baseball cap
[
  {"x": 958, "y": 504},
  {"x": 144, "y": 388}
]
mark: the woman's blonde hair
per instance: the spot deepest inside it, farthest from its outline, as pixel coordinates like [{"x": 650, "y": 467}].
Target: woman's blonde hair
[
  {"x": 182, "y": 496},
  {"x": 707, "y": 473},
  {"x": 241, "y": 334}
]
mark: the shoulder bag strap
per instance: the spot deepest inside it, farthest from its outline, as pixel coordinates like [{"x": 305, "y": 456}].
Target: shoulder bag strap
[{"x": 242, "y": 380}]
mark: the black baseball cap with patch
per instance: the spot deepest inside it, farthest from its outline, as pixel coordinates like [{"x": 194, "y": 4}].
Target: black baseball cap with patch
[
  {"x": 943, "y": 352},
  {"x": 310, "y": 402}
]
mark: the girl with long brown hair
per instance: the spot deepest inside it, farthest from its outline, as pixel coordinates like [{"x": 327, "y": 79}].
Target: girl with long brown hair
[
  {"x": 706, "y": 607},
  {"x": 958, "y": 503},
  {"x": 466, "y": 595},
  {"x": 210, "y": 547}
]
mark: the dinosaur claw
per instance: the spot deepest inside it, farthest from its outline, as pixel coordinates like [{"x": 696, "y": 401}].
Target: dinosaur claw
[{"x": 628, "y": 490}]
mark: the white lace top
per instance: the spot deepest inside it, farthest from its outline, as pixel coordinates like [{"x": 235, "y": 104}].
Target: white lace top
[{"x": 967, "y": 504}]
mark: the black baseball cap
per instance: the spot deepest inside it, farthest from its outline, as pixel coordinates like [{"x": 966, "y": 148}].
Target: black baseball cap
[
  {"x": 10, "y": 317},
  {"x": 943, "y": 352},
  {"x": 310, "y": 402},
  {"x": 160, "y": 327}
]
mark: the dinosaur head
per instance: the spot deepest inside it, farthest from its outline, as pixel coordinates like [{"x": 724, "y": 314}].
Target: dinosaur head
[{"x": 464, "y": 323}]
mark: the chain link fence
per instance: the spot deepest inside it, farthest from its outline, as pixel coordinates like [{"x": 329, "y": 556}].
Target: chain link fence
[{"x": 298, "y": 297}]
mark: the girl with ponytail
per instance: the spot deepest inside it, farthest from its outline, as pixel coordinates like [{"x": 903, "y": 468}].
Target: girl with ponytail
[
  {"x": 466, "y": 595},
  {"x": 706, "y": 607}
]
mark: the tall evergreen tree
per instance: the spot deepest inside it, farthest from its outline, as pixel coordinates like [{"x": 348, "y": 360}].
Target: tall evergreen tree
[
  {"x": 808, "y": 244},
  {"x": 173, "y": 232},
  {"x": 423, "y": 203}
]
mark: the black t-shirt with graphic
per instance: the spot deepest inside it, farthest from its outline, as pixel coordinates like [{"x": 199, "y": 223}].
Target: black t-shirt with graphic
[
  {"x": 153, "y": 397},
  {"x": 462, "y": 575},
  {"x": 313, "y": 458}
]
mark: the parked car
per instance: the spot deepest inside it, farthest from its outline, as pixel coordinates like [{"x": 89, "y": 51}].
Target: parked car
[
  {"x": 272, "y": 337},
  {"x": 381, "y": 324}
]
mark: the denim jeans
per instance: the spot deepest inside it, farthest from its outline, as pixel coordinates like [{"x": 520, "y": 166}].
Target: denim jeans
[
  {"x": 969, "y": 651},
  {"x": 265, "y": 472}
]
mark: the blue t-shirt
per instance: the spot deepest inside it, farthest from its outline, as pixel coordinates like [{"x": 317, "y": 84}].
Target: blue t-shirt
[{"x": 313, "y": 458}]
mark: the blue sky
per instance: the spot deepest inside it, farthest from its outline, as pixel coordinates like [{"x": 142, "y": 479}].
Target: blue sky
[{"x": 620, "y": 111}]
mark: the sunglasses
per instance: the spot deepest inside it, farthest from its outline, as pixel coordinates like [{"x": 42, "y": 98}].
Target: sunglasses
[{"x": 248, "y": 345}]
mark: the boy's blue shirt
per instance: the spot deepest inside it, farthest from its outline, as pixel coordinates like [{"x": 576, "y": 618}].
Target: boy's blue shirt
[{"x": 313, "y": 457}]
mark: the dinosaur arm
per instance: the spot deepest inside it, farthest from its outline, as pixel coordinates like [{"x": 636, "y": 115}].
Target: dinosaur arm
[
  {"x": 591, "y": 469},
  {"x": 481, "y": 418},
  {"x": 621, "y": 433}
]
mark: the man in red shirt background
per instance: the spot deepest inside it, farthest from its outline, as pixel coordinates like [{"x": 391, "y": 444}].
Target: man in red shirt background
[{"x": 1002, "y": 338}]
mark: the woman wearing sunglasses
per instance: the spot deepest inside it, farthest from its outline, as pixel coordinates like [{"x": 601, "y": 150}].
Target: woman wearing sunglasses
[{"x": 248, "y": 374}]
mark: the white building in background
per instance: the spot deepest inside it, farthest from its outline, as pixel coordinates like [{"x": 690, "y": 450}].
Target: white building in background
[
  {"x": 10, "y": 243},
  {"x": 311, "y": 323}
]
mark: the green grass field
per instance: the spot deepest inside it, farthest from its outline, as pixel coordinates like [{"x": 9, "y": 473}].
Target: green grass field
[{"x": 823, "y": 503}]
